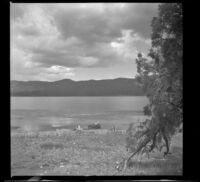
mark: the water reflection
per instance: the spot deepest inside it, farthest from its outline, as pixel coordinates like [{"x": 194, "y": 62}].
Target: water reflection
[
  {"x": 38, "y": 114},
  {"x": 41, "y": 124}
]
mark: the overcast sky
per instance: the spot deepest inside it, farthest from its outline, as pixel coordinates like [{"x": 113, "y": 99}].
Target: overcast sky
[{"x": 79, "y": 41}]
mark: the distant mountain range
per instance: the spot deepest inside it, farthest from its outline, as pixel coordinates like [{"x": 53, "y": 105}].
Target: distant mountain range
[{"x": 67, "y": 87}]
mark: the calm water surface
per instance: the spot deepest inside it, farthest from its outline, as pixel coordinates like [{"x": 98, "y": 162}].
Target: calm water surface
[{"x": 47, "y": 113}]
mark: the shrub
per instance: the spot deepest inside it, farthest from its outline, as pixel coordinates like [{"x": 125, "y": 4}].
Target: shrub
[{"x": 94, "y": 126}]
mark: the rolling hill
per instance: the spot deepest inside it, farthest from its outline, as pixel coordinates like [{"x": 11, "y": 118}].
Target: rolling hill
[{"x": 67, "y": 87}]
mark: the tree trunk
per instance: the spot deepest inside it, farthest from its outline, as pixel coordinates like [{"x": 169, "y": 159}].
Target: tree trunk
[
  {"x": 167, "y": 144},
  {"x": 127, "y": 161}
]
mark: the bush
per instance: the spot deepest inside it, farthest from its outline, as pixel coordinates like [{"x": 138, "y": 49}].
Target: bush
[
  {"x": 147, "y": 110},
  {"x": 94, "y": 126}
]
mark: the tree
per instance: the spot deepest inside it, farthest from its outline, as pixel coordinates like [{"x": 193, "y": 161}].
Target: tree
[{"x": 160, "y": 76}]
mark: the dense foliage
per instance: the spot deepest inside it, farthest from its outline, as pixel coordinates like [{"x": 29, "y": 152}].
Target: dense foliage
[{"x": 160, "y": 76}]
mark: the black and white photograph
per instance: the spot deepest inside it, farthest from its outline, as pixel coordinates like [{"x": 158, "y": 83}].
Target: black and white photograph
[{"x": 96, "y": 89}]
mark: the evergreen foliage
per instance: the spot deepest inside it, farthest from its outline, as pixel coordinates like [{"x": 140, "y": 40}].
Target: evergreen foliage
[{"x": 160, "y": 77}]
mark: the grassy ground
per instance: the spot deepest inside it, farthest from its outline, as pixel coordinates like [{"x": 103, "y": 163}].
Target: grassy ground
[{"x": 67, "y": 152}]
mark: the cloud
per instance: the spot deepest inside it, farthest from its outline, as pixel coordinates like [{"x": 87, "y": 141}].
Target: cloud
[
  {"x": 24, "y": 68},
  {"x": 130, "y": 44},
  {"x": 32, "y": 71},
  {"x": 103, "y": 22},
  {"x": 16, "y": 11},
  {"x": 47, "y": 37}
]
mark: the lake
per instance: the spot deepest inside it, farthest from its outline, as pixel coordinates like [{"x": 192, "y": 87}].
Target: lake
[{"x": 50, "y": 113}]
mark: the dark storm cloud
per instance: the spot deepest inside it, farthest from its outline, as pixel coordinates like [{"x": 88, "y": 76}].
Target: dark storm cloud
[
  {"x": 139, "y": 18},
  {"x": 89, "y": 28},
  {"x": 106, "y": 25}
]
